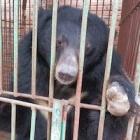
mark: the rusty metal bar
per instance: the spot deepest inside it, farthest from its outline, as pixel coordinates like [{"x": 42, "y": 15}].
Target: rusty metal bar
[
  {"x": 56, "y": 121},
  {"x": 137, "y": 85},
  {"x": 16, "y": 47},
  {"x": 33, "y": 121},
  {"x": 76, "y": 3},
  {"x": 81, "y": 64},
  {"x": 34, "y": 47},
  {"x": 97, "y": 7},
  {"x": 68, "y": 102},
  {"x": 0, "y": 47},
  {"x": 88, "y": 106},
  {"x": 25, "y": 104},
  {"x": 64, "y": 121},
  {"x": 29, "y": 13},
  {"x": 52, "y": 65},
  {"x": 13, "y": 121},
  {"x": 11, "y": 34},
  {"x": 109, "y": 13},
  {"x": 5, "y": 35},
  {"x": 108, "y": 67},
  {"x": 103, "y": 9}
]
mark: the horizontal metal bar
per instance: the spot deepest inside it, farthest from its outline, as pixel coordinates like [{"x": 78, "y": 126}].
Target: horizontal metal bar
[
  {"x": 64, "y": 102},
  {"x": 88, "y": 106},
  {"x": 26, "y": 104}
]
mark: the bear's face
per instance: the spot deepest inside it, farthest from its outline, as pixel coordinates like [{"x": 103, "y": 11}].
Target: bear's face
[{"x": 68, "y": 43}]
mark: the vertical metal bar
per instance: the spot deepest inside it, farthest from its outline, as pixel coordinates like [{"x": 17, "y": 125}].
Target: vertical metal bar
[
  {"x": 29, "y": 13},
  {"x": 0, "y": 47},
  {"x": 5, "y": 40},
  {"x": 53, "y": 48},
  {"x": 137, "y": 84},
  {"x": 109, "y": 13},
  {"x": 56, "y": 121},
  {"x": 15, "y": 47},
  {"x": 19, "y": 13},
  {"x": 34, "y": 47},
  {"x": 107, "y": 69},
  {"x": 81, "y": 63},
  {"x": 76, "y": 3},
  {"x": 13, "y": 122},
  {"x": 52, "y": 65},
  {"x": 33, "y": 121},
  {"x": 97, "y": 8},
  {"x": 64, "y": 121},
  {"x": 10, "y": 43},
  {"x": 103, "y": 9}
]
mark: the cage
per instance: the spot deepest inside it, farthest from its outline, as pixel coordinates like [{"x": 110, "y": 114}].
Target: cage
[{"x": 18, "y": 17}]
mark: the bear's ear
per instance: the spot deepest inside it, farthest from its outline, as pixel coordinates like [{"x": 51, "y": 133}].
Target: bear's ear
[{"x": 43, "y": 17}]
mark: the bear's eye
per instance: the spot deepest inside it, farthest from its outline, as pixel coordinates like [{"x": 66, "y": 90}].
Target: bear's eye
[{"x": 59, "y": 42}]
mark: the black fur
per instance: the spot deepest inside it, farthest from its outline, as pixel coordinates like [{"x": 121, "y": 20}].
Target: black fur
[{"x": 69, "y": 24}]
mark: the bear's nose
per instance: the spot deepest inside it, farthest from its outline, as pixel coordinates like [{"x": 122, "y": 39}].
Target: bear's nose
[{"x": 66, "y": 76}]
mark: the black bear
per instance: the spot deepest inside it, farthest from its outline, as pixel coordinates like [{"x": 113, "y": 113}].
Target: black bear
[{"x": 66, "y": 70}]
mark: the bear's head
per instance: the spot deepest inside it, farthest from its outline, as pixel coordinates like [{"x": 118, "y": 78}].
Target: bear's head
[{"x": 68, "y": 41}]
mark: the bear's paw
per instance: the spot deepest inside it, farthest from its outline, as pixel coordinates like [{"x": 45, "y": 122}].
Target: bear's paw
[{"x": 117, "y": 100}]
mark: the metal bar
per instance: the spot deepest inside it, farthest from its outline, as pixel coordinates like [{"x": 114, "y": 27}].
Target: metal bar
[
  {"x": 81, "y": 64},
  {"x": 0, "y": 47},
  {"x": 52, "y": 65},
  {"x": 108, "y": 68},
  {"x": 26, "y": 104},
  {"x": 76, "y": 3},
  {"x": 97, "y": 8},
  {"x": 53, "y": 48},
  {"x": 103, "y": 9},
  {"x": 29, "y": 13},
  {"x": 34, "y": 47},
  {"x": 137, "y": 84},
  {"x": 109, "y": 13},
  {"x": 13, "y": 121},
  {"x": 56, "y": 121},
  {"x": 63, "y": 124},
  {"x": 68, "y": 102},
  {"x": 15, "y": 47},
  {"x": 10, "y": 40},
  {"x": 20, "y": 20},
  {"x": 5, "y": 37},
  {"x": 33, "y": 121},
  {"x": 92, "y": 107}
]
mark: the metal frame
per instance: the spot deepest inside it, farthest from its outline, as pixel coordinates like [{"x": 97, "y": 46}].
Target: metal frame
[{"x": 58, "y": 108}]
